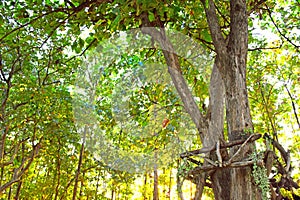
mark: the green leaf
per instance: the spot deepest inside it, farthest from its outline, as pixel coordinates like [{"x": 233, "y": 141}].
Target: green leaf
[
  {"x": 151, "y": 16},
  {"x": 116, "y": 22}
]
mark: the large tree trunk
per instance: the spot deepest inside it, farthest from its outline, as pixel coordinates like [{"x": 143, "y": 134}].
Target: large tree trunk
[
  {"x": 232, "y": 56},
  {"x": 230, "y": 66}
]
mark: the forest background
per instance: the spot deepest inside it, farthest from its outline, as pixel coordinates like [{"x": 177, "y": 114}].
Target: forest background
[{"x": 91, "y": 109}]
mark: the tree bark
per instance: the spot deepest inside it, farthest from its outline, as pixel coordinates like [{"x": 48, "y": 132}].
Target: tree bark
[
  {"x": 219, "y": 178},
  {"x": 232, "y": 58},
  {"x": 155, "y": 179},
  {"x": 57, "y": 171},
  {"x": 145, "y": 187},
  {"x": 230, "y": 66},
  {"x": 17, "y": 195},
  {"x": 79, "y": 164},
  {"x": 176, "y": 75}
]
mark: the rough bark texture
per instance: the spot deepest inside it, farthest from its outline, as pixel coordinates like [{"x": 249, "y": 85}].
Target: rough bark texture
[
  {"x": 228, "y": 82},
  {"x": 219, "y": 178},
  {"x": 177, "y": 78},
  {"x": 232, "y": 59},
  {"x": 237, "y": 106}
]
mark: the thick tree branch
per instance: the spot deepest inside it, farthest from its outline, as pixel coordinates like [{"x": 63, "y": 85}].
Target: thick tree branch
[
  {"x": 208, "y": 167},
  {"x": 238, "y": 38},
  {"x": 214, "y": 27},
  {"x": 222, "y": 146},
  {"x": 19, "y": 172},
  {"x": 174, "y": 69}
]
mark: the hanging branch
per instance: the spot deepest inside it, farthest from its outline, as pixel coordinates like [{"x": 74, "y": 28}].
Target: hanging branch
[
  {"x": 293, "y": 105},
  {"x": 278, "y": 29},
  {"x": 284, "y": 154},
  {"x": 265, "y": 48}
]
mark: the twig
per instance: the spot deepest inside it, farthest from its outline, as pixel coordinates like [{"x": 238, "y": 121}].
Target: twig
[
  {"x": 266, "y": 48},
  {"x": 293, "y": 105},
  {"x": 288, "y": 163},
  {"x": 30, "y": 22},
  {"x": 256, "y": 6},
  {"x": 78, "y": 55},
  {"x": 279, "y": 31},
  {"x": 210, "y": 162},
  {"x": 223, "y": 16},
  {"x": 239, "y": 150},
  {"x": 194, "y": 161},
  {"x": 77, "y": 9}
]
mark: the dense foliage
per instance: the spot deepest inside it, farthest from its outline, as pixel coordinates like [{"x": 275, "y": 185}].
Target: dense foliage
[{"x": 88, "y": 110}]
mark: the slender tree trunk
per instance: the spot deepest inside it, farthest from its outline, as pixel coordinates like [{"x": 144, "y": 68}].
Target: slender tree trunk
[
  {"x": 81, "y": 184},
  {"x": 1, "y": 175},
  {"x": 170, "y": 185},
  {"x": 58, "y": 172},
  {"x": 79, "y": 164},
  {"x": 145, "y": 187},
  {"x": 17, "y": 195},
  {"x": 155, "y": 182},
  {"x": 179, "y": 188},
  {"x": 97, "y": 185},
  {"x": 112, "y": 194},
  {"x": 9, "y": 193}
]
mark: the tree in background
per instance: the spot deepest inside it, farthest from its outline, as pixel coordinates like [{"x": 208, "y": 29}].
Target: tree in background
[{"x": 37, "y": 125}]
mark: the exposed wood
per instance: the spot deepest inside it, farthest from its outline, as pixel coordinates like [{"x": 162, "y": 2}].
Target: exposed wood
[
  {"x": 210, "y": 167},
  {"x": 232, "y": 57},
  {"x": 226, "y": 145}
]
